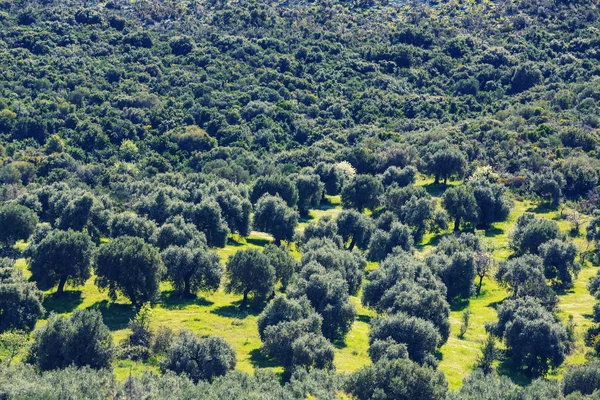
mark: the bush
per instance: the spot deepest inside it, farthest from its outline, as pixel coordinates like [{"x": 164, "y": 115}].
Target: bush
[
  {"x": 81, "y": 340},
  {"x": 199, "y": 359}
]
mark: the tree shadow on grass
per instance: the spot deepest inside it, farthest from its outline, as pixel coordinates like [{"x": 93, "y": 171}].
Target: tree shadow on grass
[
  {"x": 364, "y": 318},
  {"x": 261, "y": 242},
  {"x": 116, "y": 316},
  {"x": 233, "y": 310},
  {"x": 64, "y": 303},
  {"x": 542, "y": 208},
  {"x": 171, "y": 300},
  {"x": 459, "y": 304},
  {"x": 308, "y": 218},
  {"x": 588, "y": 316},
  {"x": 496, "y": 304},
  {"x": 436, "y": 189},
  {"x": 432, "y": 242},
  {"x": 234, "y": 243},
  {"x": 259, "y": 360},
  {"x": 339, "y": 344},
  {"x": 493, "y": 232},
  {"x": 506, "y": 368}
]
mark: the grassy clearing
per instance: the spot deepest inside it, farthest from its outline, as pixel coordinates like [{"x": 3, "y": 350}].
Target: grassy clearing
[{"x": 459, "y": 356}]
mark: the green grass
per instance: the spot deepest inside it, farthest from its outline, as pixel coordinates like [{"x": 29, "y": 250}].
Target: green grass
[
  {"x": 218, "y": 313},
  {"x": 211, "y": 313},
  {"x": 459, "y": 356}
]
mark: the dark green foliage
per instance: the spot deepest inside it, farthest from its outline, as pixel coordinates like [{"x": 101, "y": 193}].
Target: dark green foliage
[
  {"x": 164, "y": 108},
  {"x": 479, "y": 386},
  {"x": 278, "y": 339},
  {"x": 61, "y": 257},
  {"x": 236, "y": 211},
  {"x": 312, "y": 351},
  {"x": 411, "y": 298},
  {"x": 249, "y": 271},
  {"x": 454, "y": 261},
  {"x": 327, "y": 293},
  {"x": 383, "y": 243},
  {"x": 524, "y": 77},
  {"x": 20, "y": 301},
  {"x": 181, "y": 45},
  {"x": 531, "y": 232},
  {"x": 81, "y": 340},
  {"x": 457, "y": 272},
  {"x": 207, "y": 217},
  {"x": 525, "y": 277},
  {"x": 535, "y": 342},
  {"x": 361, "y": 192},
  {"x": 416, "y": 208},
  {"x": 559, "y": 261},
  {"x": 549, "y": 184},
  {"x": 273, "y": 216},
  {"x": 291, "y": 332},
  {"x": 17, "y": 222},
  {"x": 310, "y": 192},
  {"x": 584, "y": 379},
  {"x": 444, "y": 161},
  {"x": 275, "y": 185},
  {"x": 199, "y": 359},
  {"x": 350, "y": 265},
  {"x": 420, "y": 336},
  {"x": 593, "y": 233},
  {"x": 397, "y": 379},
  {"x": 129, "y": 266},
  {"x": 493, "y": 204},
  {"x": 192, "y": 270},
  {"x": 395, "y": 269},
  {"x": 355, "y": 228},
  {"x": 388, "y": 349},
  {"x": 488, "y": 355},
  {"x": 461, "y": 204},
  {"x": 284, "y": 309},
  {"x": 399, "y": 176},
  {"x": 130, "y": 224},
  {"x": 284, "y": 263},
  {"x": 325, "y": 228},
  {"x": 76, "y": 383},
  {"x": 332, "y": 177},
  {"x": 177, "y": 232}
]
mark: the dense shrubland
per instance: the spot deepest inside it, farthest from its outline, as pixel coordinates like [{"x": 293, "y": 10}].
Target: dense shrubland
[{"x": 138, "y": 139}]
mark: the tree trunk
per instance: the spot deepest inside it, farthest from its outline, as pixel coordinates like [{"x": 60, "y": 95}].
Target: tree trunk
[
  {"x": 61, "y": 286},
  {"x": 186, "y": 288},
  {"x": 436, "y": 180},
  {"x": 277, "y": 242},
  {"x": 457, "y": 224},
  {"x": 480, "y": 284},
  {"x": 352, "y": 244},
  {"x": 445, "y": 180},
  {"x": 245, "y": 299}
]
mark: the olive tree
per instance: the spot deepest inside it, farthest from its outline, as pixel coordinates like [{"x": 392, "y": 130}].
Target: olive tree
[
  {"x": 200, "y": 359},
  {"x": 249, "y": 271},
  {"x": 62, "y": 257},
  {"x": 273, "y": 216},
  {"x": 81, "y": 340},
  {"x": 17, "y": 222},
  {"x": 192, "y": 270},
  {"x": 129, "y": 266}
]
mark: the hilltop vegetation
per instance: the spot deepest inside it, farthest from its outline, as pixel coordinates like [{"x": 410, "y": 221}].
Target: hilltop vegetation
[{"x": 361, "y": 199}]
